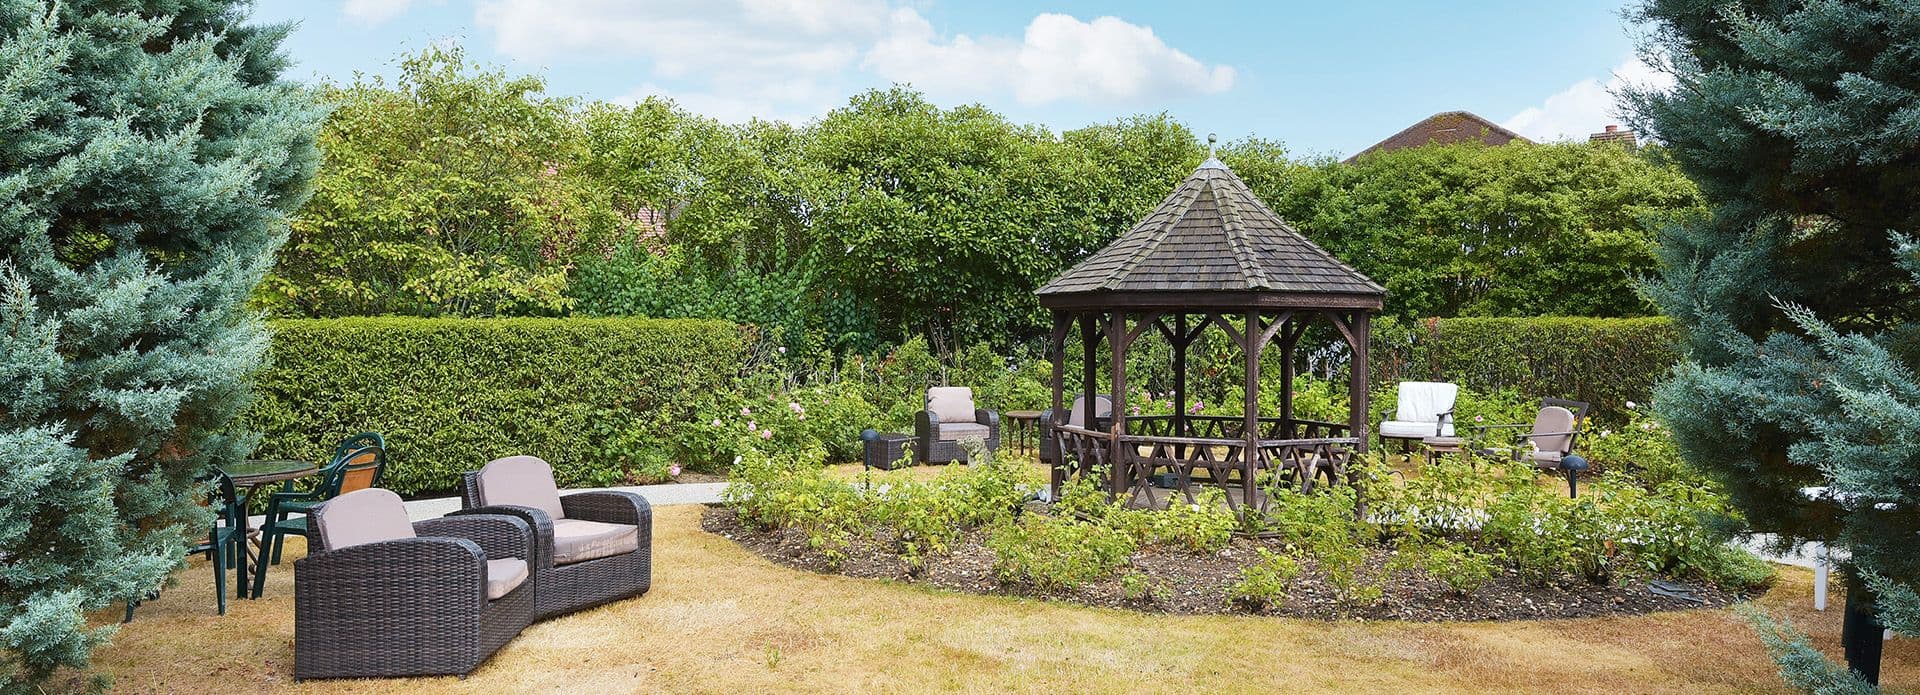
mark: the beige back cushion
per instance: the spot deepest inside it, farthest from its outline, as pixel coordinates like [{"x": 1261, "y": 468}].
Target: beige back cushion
[
  {"x": 524, "y": 481},
  {"x": 1077, "y": 416},
  {"x": 1553, "y": 418},
  {"x": 951, "y": 403},
  {"x": 363, "y": 516}
]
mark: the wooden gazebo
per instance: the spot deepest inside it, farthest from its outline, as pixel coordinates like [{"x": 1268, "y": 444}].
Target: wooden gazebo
[{"x": 1210, "y": 256}]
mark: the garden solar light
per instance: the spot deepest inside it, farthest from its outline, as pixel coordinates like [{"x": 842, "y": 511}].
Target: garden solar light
[{"x": 1573, "y": 464}]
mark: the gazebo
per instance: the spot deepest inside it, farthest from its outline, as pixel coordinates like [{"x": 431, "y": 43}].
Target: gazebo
[{"x": 1210, "y": 256}]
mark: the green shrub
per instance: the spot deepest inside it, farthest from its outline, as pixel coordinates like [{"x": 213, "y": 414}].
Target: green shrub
[
  {"x": 600, "y": 399},
  {"x": 1056, "y": 553},
  {"x": 1264, "y": 583},
  {"x": 1606, "y": 362},
  {"x": 1461, "y": 567},
  {"x": 1202, "y": 528}
]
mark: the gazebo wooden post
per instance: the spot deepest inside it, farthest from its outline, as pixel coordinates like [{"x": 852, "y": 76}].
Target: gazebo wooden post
[
  {"x": 1117, "y": 463},
  {"x": 1180, "y": 343},
  {"x": 1057, "y": 351},
  {"x": 1089, "y": 374},
  {"x": 1358, "y": 417},
  {"x": 1288, "y": 339},
  {"x": 1252, "y": 345}
]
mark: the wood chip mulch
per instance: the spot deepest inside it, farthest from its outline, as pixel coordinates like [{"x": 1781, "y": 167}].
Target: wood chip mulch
[{"x": 1190, "y": 584}]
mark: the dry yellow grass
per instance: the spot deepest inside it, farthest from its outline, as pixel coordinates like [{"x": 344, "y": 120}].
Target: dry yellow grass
[{"x": 722, "y": 620}]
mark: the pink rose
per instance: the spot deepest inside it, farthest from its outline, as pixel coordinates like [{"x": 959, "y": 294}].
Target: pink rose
[
  {"x": 766, "y": 433},
  {"x": 674, "y": 470}
]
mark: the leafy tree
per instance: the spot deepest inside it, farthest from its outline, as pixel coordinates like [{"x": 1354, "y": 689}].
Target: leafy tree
[
  {"x": 1801, "y": 123},
  {"x": 148, "y": 154},
  {"x": 449, "y": 193},
  {"x": 1471, "y": 230}
]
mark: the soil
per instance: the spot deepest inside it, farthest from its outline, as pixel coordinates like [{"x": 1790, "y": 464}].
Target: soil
[
  {"x": 693, "y": 477},
  {"x": 1189, "y": 584}
]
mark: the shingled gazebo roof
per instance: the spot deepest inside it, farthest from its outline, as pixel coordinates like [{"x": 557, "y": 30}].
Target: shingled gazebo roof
[{"x": 1212, "y": 244}]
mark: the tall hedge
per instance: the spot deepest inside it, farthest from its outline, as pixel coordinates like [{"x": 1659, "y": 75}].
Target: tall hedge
[
  {"x": 452, "y": 394},
  {"x": 1602, "y": 361}
]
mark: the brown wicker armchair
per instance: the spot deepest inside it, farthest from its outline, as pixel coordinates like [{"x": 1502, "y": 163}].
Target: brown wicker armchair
[
  {"x": 379, "y": 596},
  {"x": 590, "y": 548},
  {"x": 949, "y": 417},
  {"x": 1076, "y": 416}
]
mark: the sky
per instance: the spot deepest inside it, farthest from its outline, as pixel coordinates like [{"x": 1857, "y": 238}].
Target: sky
[{"x": 1326, "y": 78}]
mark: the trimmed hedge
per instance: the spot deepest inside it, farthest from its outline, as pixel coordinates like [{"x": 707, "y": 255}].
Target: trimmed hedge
[
  {"x": 1602, "y": 361},
  {"x": 591, "y": 396}
]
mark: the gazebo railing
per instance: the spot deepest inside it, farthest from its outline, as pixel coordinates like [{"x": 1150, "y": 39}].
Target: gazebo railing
[
  {"x": 1301, "y": 463},
  {"x": 1232, "y": 427}
]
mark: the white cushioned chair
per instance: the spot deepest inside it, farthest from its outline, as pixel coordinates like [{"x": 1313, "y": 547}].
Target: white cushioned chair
[
  {"x": 589, "y": 547},
  {"x": 378, "y": 595},
  {"x": 1424, "y": 409},
  {"x": 949, "y": 417}
]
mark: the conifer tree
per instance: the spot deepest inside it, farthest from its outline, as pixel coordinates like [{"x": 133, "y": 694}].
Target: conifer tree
[
  {"x": 148, "y": 155},
  {"x": 1800, "y": 121}
]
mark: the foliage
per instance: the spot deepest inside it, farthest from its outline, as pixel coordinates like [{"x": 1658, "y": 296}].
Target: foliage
[
  {"x": 1327, "y": 528},
  {"x": 1605, "y": 362},
  {"x": 1797, "y": 295},
  {"x": 149, "y": 153},
  {"x": 600, "y": 399},
  {"x": 1471, "y": 230},
  {"x": 1202, "y": 528},
  {"x": 1055, "y": 553},
  {"x": 1461, "y": 567},
  {"x": 1264, "y": 583},
  {"x": 448, "y": 193}
]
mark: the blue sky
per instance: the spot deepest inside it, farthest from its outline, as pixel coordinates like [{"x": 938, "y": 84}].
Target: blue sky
[{"x": 1324, "y": 77}]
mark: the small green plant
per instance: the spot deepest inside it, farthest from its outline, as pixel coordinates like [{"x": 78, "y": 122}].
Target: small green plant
[
  {"x": 1462, "y": 568},
  {"x": 1137, "y": 586},
  {"x": 1204, "y": 527},
  {"x": 1054, "y": 553},
  {"x": 1264, "y": 583}
]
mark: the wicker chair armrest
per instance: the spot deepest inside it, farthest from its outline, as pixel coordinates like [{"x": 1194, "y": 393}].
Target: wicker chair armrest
[
  {"x": 987, "y": 417},
  {"x": 926, "y": 425},
  {"x": 540, "y": 538},
  {"x": 500, "y": 536},
  {"x": 453, "y": 566},
  {"x": 609, "y": 507}
]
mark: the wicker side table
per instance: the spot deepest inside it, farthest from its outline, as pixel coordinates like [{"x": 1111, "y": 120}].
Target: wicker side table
[{"x": 885, "y": 451}]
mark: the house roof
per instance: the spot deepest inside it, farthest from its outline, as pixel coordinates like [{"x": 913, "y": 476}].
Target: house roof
[
  {"x": 1212, "y": 243},
  {"x": 1445, "y": 129}
]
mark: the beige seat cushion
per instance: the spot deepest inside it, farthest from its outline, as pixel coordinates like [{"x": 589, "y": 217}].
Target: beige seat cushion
[
  {"x": 504, "y": 576},
  {"x": 962, "y": 430},
  {"x": 1544, "y": 459},
  {"x": 577, "y": 540},
  {"x": 523, "y": 481},
  {"x": 362, "y": 516},
  {"x": 951, "y": 403}
]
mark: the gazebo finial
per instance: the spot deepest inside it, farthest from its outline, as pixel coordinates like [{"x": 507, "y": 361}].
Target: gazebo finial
[{"x": 1213, "y": 160}]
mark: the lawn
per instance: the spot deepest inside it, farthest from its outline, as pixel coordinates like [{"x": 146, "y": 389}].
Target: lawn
[{"x": 721, "y": 619}]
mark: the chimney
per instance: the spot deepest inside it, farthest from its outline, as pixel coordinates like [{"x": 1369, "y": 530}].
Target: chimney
[{"x": 1613, "y": 133}]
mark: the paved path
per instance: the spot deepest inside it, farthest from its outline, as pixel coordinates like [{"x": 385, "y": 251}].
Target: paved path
[{"x": 657, "y": 495}]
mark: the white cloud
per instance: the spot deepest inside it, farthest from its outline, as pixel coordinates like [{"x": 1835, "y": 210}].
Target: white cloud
[
  {"x": 1059, "y": 58},
  {"x": 797, "y": 58},
  {"x": 1586, "y": 106},
  {"x": 374, "y": 11}
]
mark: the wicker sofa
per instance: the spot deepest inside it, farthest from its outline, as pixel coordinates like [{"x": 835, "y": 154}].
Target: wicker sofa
[
  {"x": 380, "y": 596},
  {"x": 589, "y": 548},
  {"x": 949, "y": 417}
]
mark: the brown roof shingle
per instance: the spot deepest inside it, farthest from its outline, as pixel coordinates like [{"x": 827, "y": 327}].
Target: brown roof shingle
[{"x": 1212, "y": 235}]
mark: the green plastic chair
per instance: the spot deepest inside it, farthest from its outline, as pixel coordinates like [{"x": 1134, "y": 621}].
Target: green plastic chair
[
  {"x": 223, "y": 546},
  {"x": 358, "y": 463}
]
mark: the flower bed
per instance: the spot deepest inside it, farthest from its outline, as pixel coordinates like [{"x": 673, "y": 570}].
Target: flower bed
[{"x": 1453, "y": 540}]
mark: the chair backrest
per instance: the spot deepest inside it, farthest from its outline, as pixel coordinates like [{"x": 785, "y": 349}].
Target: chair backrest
[
  {"x": 228, "y": 499},
  {"x": 364, "y": 457},
  {"x": 1102, "y": 407},
  {"x": 1424, "y": 401},
  {"x": 951, "y": 403},
  {"x": 362, "y": 516},
  {"x": 524, "y": 481},
  {"x": 1552, "y": 429}
]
